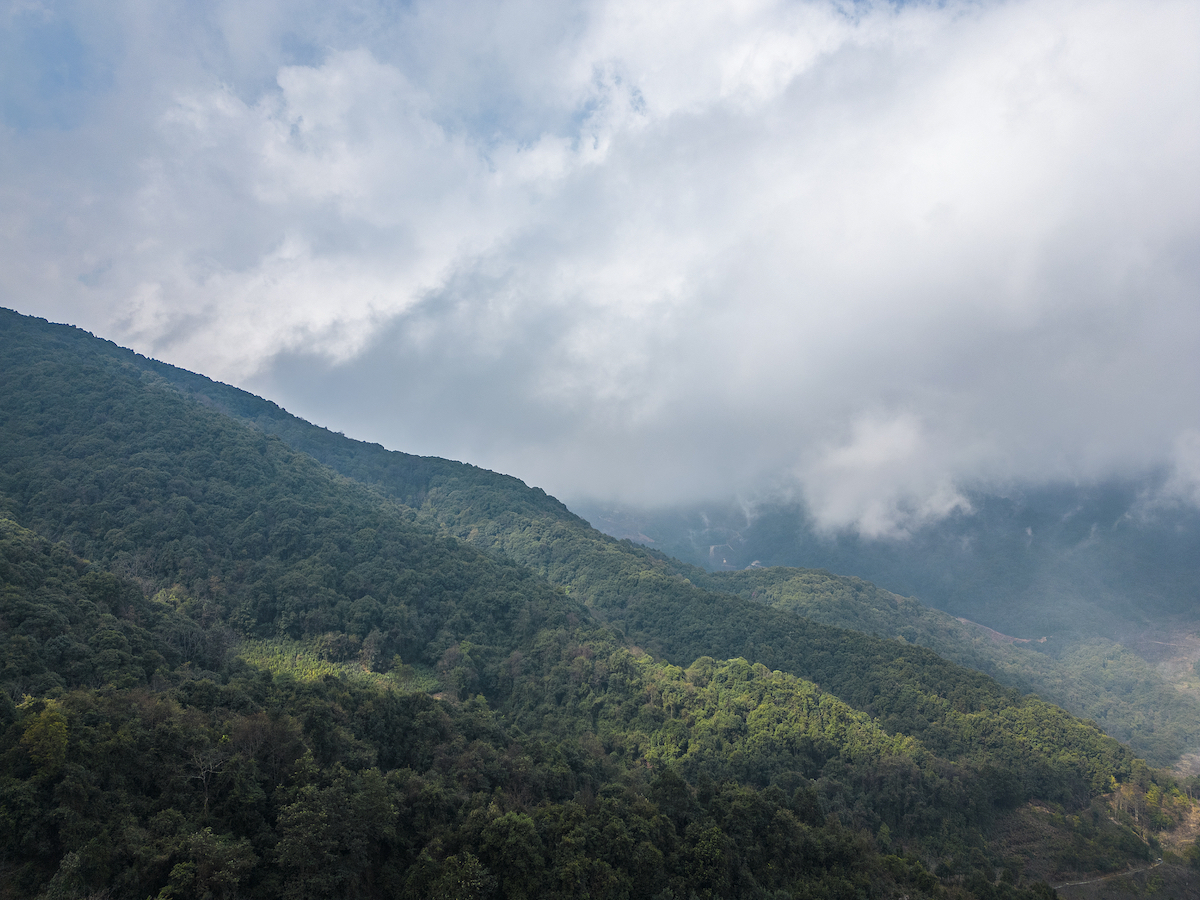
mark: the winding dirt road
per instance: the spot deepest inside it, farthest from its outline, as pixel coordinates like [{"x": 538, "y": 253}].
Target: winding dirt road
[{"x": 1153, "y": 865}]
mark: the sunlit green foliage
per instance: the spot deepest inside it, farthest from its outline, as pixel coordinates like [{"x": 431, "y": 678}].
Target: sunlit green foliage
[
  {"x": 315, "y": 660},
  {"x": 1094, "y": 678}
]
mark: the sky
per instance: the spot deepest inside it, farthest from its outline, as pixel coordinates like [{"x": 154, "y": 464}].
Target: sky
[{"x": 875, "y": 253}]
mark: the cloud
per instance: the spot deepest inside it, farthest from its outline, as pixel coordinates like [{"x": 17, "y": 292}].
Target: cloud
[
  {"x": 1181, "y": 485},
  {"x": 856, "y": 482},
  {"x": 881, "y": 251}
]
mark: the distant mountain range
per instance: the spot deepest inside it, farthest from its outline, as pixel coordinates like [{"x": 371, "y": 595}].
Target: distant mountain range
[
  {"x": 1090, "y": 559},
  {"x": 244, "y": 656}
]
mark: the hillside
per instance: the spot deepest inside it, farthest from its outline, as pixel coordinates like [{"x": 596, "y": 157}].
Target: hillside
[
  {"x": 1094, "y": 678},
  {"x": 1106, "y": 579},
  {"x": 298, "y": 665},
  {"x": 1100, "y": 559}
]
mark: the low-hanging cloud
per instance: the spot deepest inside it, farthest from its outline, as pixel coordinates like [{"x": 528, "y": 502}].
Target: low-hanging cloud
[{"x": 657, "y": 252}]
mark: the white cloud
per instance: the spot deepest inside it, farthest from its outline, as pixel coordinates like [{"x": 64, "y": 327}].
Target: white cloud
[
  {"x": 886, "y": 479},
  {"x": 680, "y": 248},
  {"x": 1183, "y": 484}
]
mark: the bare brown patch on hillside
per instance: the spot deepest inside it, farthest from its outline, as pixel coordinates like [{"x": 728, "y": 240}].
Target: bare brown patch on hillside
[
  {"x": 1185, "y": 834},
  {"x": 1000, "y": 637},
  {"x": 1165, "y": 881}
]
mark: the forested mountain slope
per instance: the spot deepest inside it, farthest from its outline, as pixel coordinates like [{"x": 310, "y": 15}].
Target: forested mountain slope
[
  {"x": 136, "y": 772},
  {"x": 1105, "y": 575},
  {"x": 647, "y": 593},
  {"x": 1094, "y": 678},
  {"x": 221, "y": 656}
]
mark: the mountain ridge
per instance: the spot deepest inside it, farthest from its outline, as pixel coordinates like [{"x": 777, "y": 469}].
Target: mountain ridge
[{"x": 238, "y": 532}]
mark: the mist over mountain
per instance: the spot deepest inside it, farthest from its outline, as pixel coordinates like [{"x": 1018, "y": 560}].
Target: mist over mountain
[
  {"x": 1108, "y": 558},
  {"x": 1084, "y": 594}
]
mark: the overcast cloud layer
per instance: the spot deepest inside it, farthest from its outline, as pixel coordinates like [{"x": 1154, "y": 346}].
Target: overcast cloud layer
[{"x": 649, "y": 251}]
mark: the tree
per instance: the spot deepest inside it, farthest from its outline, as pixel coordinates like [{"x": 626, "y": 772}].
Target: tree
[{"x": 45, "y": 739}]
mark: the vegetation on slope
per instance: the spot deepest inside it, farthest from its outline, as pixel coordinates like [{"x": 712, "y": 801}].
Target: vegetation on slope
[
  {"x": 1094, "y": 678},
  {"x": 598, "y": 772},
  {"x": 145, "y": 752}
]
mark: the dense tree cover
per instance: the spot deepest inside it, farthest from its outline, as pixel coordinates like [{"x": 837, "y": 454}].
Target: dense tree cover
[
  {"x": 1095, "y": 677},
  {"x": 65, "y": 625},
  {"x": 167, "y": 493},
  {"x": 146, "y": 752},
  {"x": 604, "y": 773},
  {"x": 242, "y": 796}
]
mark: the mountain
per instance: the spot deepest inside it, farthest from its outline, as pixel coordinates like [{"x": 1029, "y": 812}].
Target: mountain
[
  {"x": 1084, "y": 595},
  {"x": 1095, "y": 559},
  {"x": 245, "y": 656},
  {"x": 1089, "y": 674},
  {"x": 1094, "y": 678}
]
